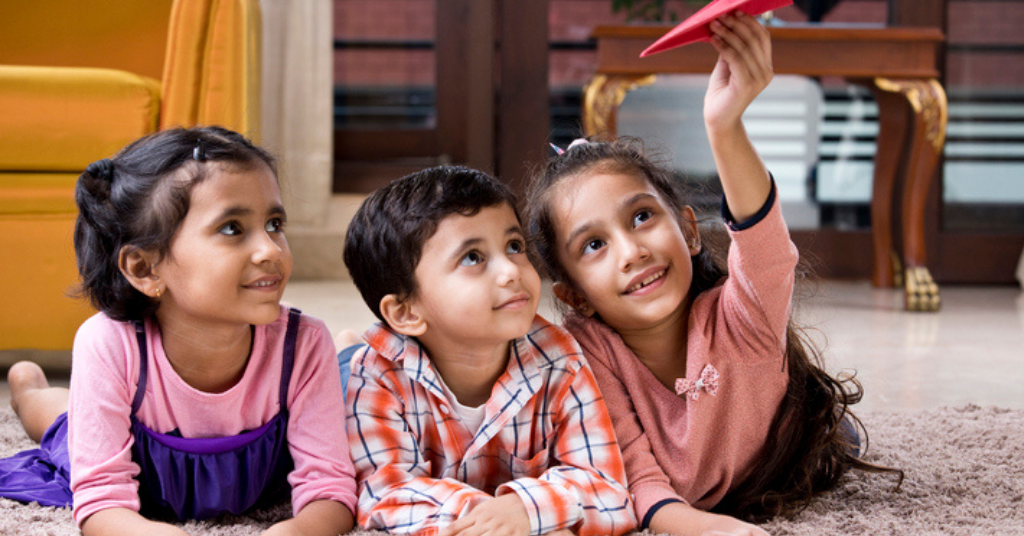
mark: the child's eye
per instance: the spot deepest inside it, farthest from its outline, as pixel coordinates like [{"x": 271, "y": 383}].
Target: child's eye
[
  {"x": 472, "y": 258},
  {"x": 515, "y": 247},
  {"x": 232, "y": 228},
  {"x": 592, "y": 245},
  {"x": 641, "y": 217},
  {"x": 275, "y": 225}
]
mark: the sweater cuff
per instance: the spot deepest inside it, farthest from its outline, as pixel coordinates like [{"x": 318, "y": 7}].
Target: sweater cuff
[
  {"x": 753, "y": 220},
  {"x": 650, "y": 497},
  {"x": 646, "y": 523}
]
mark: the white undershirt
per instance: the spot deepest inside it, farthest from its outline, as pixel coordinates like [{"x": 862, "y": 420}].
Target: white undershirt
[{"x": 472, "y": 418}]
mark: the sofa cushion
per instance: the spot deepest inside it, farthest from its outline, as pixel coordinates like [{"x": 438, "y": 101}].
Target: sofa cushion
[{"x": 63, "y": 118}]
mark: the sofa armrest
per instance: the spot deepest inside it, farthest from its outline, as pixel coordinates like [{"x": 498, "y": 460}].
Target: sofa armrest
[{"x": 63, "y": 118}]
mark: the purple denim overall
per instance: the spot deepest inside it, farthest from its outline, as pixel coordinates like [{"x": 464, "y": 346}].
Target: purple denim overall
[{"x": 182, "y": 478}]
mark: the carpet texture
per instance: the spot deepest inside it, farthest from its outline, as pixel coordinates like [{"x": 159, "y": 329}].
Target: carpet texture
[{"x": 964, "y": 466}]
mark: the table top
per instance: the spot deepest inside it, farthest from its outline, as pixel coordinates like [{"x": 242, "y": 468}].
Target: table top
[{"x": 848, "y": 50}]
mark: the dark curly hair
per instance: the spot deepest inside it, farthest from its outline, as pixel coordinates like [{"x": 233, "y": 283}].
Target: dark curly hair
[
  {"x": 385, "y": 239},
  {"x": 138, "y": 199},
  {"x": 808, "y": 448}
]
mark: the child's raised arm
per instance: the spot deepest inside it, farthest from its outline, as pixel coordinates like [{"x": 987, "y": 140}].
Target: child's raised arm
[{"x": 743, "y": 70}]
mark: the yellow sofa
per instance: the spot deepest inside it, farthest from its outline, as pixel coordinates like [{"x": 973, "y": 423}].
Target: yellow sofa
[{"x": 79, "y": 79}]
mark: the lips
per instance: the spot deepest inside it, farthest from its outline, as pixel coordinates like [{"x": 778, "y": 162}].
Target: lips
[
  {"x": 515, "y": 302},
  {"x": 645, "y": 280},
  {"x": 270, "y": 282}
]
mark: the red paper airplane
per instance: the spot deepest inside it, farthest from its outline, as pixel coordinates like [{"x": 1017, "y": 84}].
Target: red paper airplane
[{"x": 695, "y": 28}]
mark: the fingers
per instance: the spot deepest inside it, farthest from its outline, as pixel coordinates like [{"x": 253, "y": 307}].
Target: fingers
[
  {"x": 456, "y": 527},
  {"x": 746, "y": 45}
]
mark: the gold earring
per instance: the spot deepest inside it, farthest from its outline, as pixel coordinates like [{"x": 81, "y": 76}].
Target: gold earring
[{"x": 159, "y": 292}]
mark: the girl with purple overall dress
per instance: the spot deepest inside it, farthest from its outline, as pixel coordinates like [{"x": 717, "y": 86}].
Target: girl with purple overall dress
[
  {"x": 194, "y": 392},
  {"x": 723, "y": 413}
]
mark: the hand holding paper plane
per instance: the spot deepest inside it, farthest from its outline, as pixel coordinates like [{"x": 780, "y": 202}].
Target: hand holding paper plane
[{"x": 695, "y": 28}]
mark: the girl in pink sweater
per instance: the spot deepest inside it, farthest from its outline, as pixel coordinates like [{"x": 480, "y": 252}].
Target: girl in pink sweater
[
  {"x": 717, "y": 403},
  {"x": 194, "y": 393}
]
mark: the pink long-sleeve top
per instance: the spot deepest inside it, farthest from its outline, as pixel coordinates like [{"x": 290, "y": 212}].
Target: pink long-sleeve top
[
  {"x": 696, "y": 451},
  {"x": 105, "y": 371}
]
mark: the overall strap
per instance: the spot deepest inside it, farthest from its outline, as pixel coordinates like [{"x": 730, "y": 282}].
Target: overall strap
[
  {"x": 290, "y": 336},
  {"x": 140, "y": 388}
]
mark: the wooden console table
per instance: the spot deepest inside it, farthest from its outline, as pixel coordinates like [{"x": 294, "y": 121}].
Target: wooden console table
[{"x": 899, "y": 65}]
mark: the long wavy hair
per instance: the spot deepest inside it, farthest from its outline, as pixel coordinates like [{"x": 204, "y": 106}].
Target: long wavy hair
[{"x": 809, "y": 444}]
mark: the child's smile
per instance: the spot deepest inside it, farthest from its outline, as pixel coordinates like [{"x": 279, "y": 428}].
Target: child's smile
[{"x": 647, "y": 282}]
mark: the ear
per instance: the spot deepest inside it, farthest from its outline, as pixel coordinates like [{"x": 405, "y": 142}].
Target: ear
[
  {"x": 688, "y": 223},
  {"x": 568, "y": 295},
  {"x": 138, "y": 267},
  {"x": 402, "y": 316}
]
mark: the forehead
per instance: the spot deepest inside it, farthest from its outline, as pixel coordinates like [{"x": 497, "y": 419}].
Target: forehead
[
  {"x": 454, "y": 229},
  {"x": 593, "y": 195},
  {"x": 228, "y": 184}
]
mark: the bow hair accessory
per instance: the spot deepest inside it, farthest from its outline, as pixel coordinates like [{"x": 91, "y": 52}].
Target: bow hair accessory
[{"x": 708, "y": 381}]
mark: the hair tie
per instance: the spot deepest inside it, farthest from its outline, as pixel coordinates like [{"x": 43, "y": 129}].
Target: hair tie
[
  {"x": 101, "y": 169},
  {"x": 577, "y": 142},
  {"x": 199, "y": 152}
]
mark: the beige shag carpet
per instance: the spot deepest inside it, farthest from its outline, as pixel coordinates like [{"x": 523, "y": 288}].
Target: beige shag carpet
[{"x": 964, "y": 476}]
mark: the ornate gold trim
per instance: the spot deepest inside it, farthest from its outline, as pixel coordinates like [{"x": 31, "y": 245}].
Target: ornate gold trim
[
  {"x": 602, "y": 97},
  {"x": 921, "y": 292},
  {"x": 928, "y": 100}
]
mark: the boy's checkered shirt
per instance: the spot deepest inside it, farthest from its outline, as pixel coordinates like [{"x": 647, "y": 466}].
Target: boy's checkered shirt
[{"x": 546, "y": 437}]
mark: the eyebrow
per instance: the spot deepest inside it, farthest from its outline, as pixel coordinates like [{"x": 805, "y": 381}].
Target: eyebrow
[
  {"x": 587, "y": 226},
  {"x": 240, "y": 211}
]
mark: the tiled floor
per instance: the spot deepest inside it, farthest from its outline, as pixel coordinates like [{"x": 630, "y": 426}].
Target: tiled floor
[{"x": 970, "y": 352}]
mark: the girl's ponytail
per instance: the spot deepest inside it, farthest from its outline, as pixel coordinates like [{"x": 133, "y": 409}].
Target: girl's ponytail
[{"x": 97, "y": 244}]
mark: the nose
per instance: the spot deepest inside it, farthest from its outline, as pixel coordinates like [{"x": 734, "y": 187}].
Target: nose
[
  {"x": 630, "y": 252},
  {"x": 268, "y": 248},
  {"x": 508, "y": 271}
]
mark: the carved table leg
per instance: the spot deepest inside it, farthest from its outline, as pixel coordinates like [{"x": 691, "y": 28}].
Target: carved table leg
[
  {"x": 928, "y": 109},
  {"x": 892, "y": 133},
  {"x": 601, "y": 99}
]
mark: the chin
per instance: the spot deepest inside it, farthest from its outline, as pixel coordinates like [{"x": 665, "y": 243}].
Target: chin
[
  {"x": 516, "y": 331},
  {"x": 265, "y": 315}
]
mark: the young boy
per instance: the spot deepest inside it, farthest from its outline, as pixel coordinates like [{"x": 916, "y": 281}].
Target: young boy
[{"x": 467, "y": 413}]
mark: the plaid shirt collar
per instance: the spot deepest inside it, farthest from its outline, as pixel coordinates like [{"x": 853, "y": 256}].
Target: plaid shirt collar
[{"x": 520, "y": 382}]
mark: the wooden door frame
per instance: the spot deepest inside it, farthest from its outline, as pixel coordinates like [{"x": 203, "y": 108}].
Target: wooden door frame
[{"x": 491, "y": 100}]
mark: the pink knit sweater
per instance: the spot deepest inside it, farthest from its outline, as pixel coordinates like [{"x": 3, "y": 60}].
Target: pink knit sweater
[{"x": 676, "y": 448}]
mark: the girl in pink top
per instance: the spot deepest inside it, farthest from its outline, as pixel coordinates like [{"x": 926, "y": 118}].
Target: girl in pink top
[
  {"x": 716, "y": 401},
  {"x": 194, "y": 393}
]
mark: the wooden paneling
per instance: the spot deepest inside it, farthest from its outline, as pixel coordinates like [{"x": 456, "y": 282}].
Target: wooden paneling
[{"x": 523, "y": 112}]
